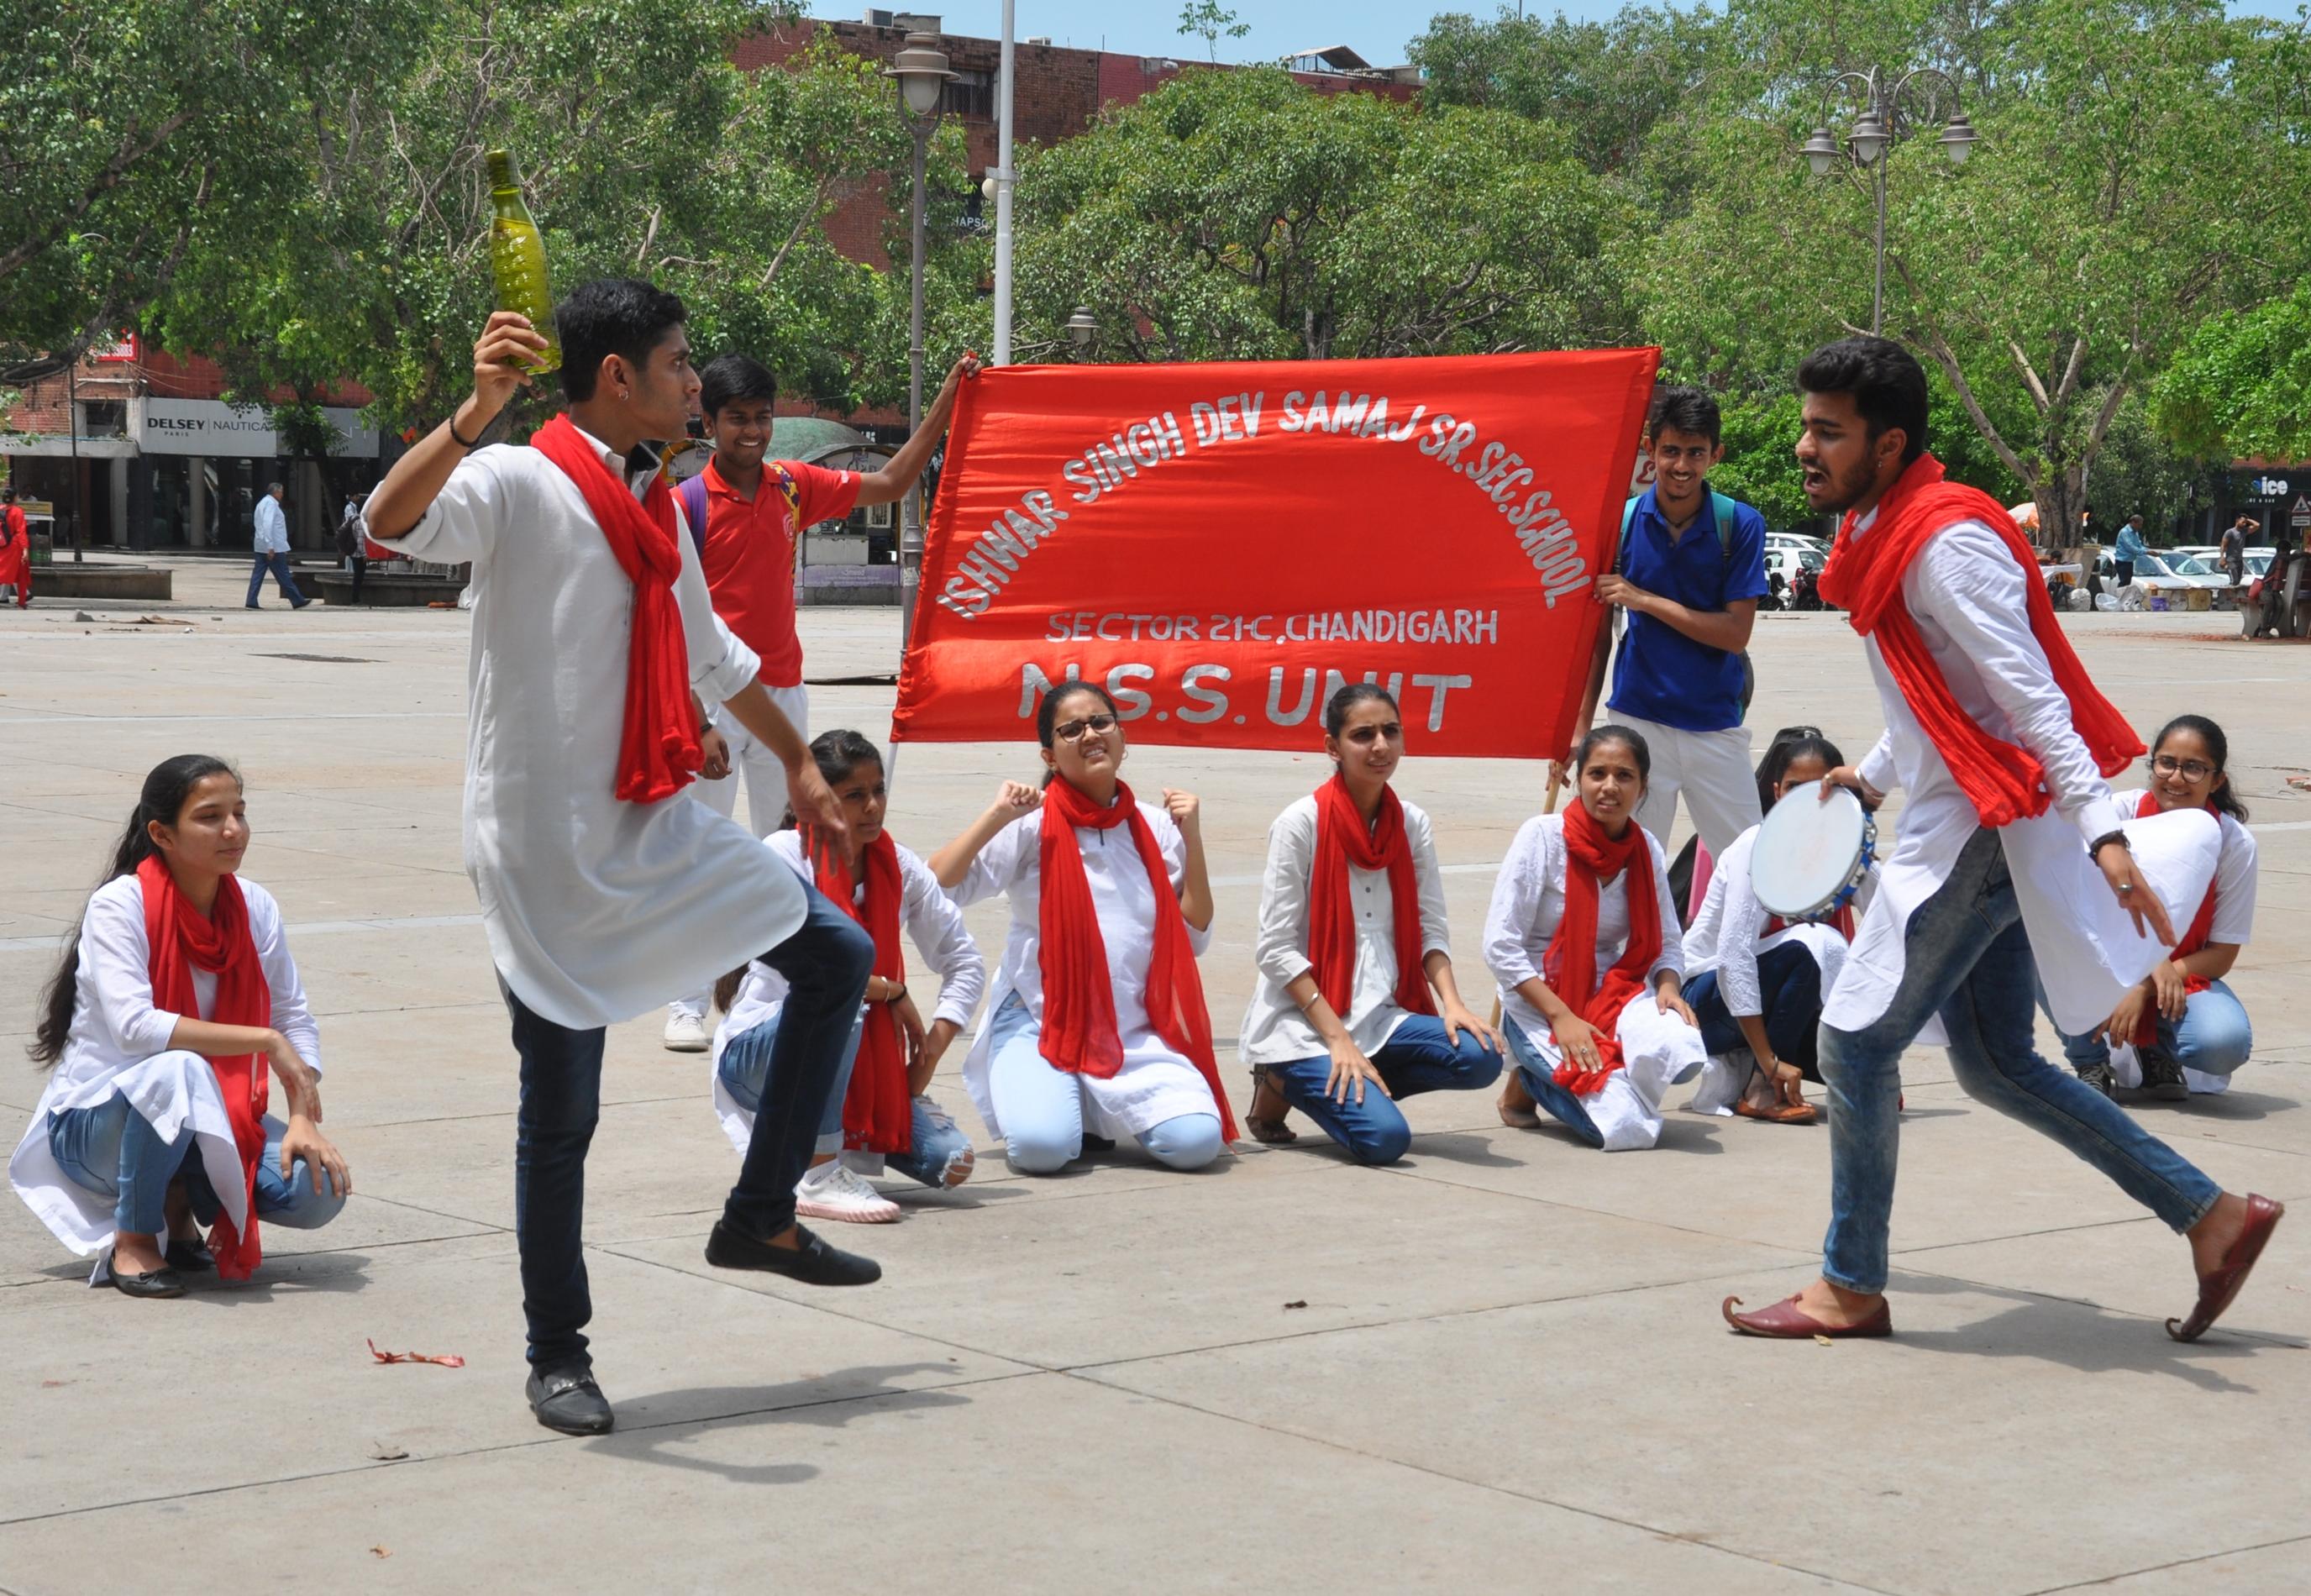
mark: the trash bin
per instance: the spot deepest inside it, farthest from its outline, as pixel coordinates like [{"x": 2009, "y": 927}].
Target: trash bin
[{"x": 43, "y": 547}]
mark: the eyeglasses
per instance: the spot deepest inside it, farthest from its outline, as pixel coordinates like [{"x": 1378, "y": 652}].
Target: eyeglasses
[
  {"x": 1072, "y": 731},
  {"x": 2190, "y": 770}
]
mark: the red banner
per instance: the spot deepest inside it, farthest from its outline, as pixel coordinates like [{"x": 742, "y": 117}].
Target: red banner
[{"x": 1221, "y": 546}]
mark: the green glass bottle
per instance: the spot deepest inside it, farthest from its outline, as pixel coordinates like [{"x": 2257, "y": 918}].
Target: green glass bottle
[{"x": 518, "y": 258}]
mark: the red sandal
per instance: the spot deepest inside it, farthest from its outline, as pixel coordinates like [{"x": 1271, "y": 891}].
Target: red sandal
[
  {"x": 2219, "y": 1285},
  {"x": 1786, "y": 1322}
]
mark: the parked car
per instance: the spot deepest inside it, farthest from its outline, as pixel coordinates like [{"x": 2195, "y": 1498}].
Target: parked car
[
  {"x": 2155, "y": 573},
  {"x": 1795, "y": 540},
  {"x": 1787, "y": 560},
  {"x": 2258, "y": 560}
]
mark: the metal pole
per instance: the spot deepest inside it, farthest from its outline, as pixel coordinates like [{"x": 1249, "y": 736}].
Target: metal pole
[
  {"x": 1878, "y": 290},
  {"x": 71, "y": 426},
  {"x": 1003, "y": 194},
  {"x": 910, "y": 521}
]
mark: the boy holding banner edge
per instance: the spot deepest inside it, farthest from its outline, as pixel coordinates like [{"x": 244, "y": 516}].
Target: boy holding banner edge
[{"x": 1689, "y": 570}]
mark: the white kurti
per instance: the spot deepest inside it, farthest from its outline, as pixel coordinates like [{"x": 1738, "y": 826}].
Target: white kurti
[
  {"x": 2233, "y": 923},
  {"x": 1657, "y": 1049},
  {"x": 1274, "y": 1030},
  {"x": 932, "y": 921},
  {"x": 1728, "y": 935},
  {"x": 1156, "y": 1083},
  {"x": 118, "y": 1046},
  {"x": 596, "y": 909},
  {"x": 1964, "y": 590}
]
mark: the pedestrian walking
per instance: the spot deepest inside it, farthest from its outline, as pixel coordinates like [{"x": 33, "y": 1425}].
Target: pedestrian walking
[
  {"x": 272, "y": 547},
  {"x": 349, "y": 543},
  {"x": 15, "y": 550}
]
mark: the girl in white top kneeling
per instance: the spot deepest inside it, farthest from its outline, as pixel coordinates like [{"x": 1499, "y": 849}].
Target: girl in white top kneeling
[
  {"x": 880, "y": 1112},
  {"x": 1352, "y": 941},
  {"x": 172, "y": 1008},
  {"x": 1581, "y": 938},
  {"x": 1097, "y": 1029},
  {"x": 1754, "y": 982}
]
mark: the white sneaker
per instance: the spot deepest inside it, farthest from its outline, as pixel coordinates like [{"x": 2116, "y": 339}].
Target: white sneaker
[
  {"x": 831, "y": 1190},
  {"x": 686, "y": 1034}
]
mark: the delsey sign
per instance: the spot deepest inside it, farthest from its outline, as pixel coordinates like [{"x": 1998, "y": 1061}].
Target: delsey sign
[{"x": 209, "y": 427}]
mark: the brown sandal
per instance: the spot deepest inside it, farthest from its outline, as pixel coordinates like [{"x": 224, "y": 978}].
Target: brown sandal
[{"x": 1269, "y": 1128}]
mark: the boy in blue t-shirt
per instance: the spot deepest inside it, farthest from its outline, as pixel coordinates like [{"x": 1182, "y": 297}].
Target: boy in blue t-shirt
[{"x": 1690, "y": 588}]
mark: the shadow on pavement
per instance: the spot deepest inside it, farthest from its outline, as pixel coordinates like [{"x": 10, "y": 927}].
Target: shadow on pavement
[{"x": 799, "y": 1402}]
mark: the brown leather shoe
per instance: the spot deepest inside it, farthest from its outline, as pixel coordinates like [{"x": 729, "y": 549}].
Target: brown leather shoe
[
  {"x": 1786, "y": 1322},
  {"x": 1779, "y": 1113},
  {"x": 1268, "y": 1128},
  {"x": 2220, "y": 1283}
]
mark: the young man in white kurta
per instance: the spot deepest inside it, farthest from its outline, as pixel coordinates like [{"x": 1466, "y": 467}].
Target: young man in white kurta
[{"x": 597, "y": 908}]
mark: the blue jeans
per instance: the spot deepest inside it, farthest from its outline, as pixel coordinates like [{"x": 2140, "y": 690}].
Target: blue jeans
[
  {"x": 1415, "y": 1059},
  {"x": 278, "y": 564},
  {"x": 1789, "y": 983},
  {"x": 1968, "y": 958},
  {"x": 112, "y": 1150},
  {"x": 2212, "y": 1037},
  {"x": 1539, "y": 1078},
  {"x": 1041, "y": 1108},
  {"x": 745, "y": 1067},
  {"x": 825, "y": 963}
]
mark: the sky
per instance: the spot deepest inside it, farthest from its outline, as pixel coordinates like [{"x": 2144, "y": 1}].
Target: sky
[{"x": 1376, "y": 29}]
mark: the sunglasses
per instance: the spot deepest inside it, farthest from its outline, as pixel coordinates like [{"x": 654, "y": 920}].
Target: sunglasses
[{"x": 1072, "y": 731}]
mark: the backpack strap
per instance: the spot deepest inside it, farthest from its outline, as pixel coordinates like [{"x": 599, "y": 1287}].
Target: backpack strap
[{"x": 1724, "y": 510}]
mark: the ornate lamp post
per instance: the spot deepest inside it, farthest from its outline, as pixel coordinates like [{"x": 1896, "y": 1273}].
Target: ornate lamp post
[
  {"x": 1885, "y": 120},
  {"x": 921, "y": 70},
  {"x": 1081, "y": 328}
]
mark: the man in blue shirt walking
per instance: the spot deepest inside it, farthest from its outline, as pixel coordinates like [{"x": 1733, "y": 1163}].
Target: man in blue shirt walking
[
  {"x": 1691, "y": 570},
  {"x": 272, "y": 546}
]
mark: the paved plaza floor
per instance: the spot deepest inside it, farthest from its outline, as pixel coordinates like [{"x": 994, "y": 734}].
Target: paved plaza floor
[{"x": 1498, "y": 1366}]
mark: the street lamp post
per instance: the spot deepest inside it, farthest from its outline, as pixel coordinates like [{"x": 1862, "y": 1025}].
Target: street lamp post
[
  {"x": 921, "y": 70},
  {"x": 1883, "y": 122},
  {"x": 1081, "y": 328}
]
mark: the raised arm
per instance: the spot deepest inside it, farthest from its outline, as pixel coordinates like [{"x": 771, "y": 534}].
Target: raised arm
[
  {"x": 904, "y": 467},
  {"x": 952, "y": 863},
  {"x": 400, "y": 500}
]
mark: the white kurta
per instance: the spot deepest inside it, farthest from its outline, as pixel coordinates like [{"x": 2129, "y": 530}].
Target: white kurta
[
  {"x": 1728, "y": 935},
  {"x": 2233, "y": 923},
  {"x": 931, "y": 920},
  {"x": 596, "y": 909},
  {"x": 1156, "y": 1083},
  {"x": 1964, "y": 590},
  {"x": 118, "y": 1046},
  {"x": 1274, "y": 1030},
  {"x": 1657, "y": 1049}
]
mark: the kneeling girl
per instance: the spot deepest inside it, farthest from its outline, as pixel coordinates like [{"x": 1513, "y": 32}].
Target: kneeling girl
[
  {"x": 1097, "y": 1028},
  {"x": 175, "y": 1006},
  {"x": 1581, "y": 937}
]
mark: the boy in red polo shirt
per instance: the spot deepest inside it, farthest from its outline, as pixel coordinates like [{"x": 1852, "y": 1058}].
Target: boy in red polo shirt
[{"x": 749, "y": 514}]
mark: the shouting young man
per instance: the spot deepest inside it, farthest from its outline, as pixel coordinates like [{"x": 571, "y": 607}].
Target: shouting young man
[
  {"x": 748, "y": 513},
  {"x": 2003, "y": 746},
  {"x": 1690, "y": 571},
  {"x": 603, "y": 888}
]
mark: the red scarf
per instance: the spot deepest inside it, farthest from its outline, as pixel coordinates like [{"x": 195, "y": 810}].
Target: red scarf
[
  {"x": 1570, "y": 964},
  {"x": 178, "y": 940},
  {"x": 657, "y": 752},
  {"x": 2203, "y": 927},
  {"x": 1341, "y": 841},
  {"x": 1080, "y": 1031},
  {"x": 1865, "y": 577},
  {"x": 879, "y": 1112}
]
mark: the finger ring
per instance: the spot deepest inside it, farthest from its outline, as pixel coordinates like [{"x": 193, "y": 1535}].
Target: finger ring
[{"x": 2125, "y": 886}]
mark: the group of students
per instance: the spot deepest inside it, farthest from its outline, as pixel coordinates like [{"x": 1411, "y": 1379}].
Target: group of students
[{"x": 604, "y": 891}]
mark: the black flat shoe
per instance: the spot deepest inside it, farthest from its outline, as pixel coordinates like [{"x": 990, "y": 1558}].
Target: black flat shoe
[
  {"x": 1095, "y": 1144},
  {"x": 567, "y": 1400},
  {"x": 194, "y": 1257},
  {"x": 814, "y": 1263},
  {"x": 163, "y": 1281},
  {"x": 2162, "y": 1078}
]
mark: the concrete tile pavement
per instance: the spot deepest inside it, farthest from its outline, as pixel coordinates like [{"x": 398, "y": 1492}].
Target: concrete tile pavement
[{"x": 1508, "y": 1371}]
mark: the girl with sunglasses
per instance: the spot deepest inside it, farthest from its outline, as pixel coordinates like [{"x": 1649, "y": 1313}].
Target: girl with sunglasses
[
  {"x": 1097, "y": 1028},
  {"x": 2182, "y": 1030},
  {"x": 1355, "y": 1004},
  {"x": 1583, "y": 938}
]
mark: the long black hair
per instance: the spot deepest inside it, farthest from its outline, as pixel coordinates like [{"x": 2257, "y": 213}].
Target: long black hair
[
  {"x": 1627, "y": 736},
  {"x": 837, "y": 753},
  {"x": 1790, "y": 745},
  {"x": 2223, "y": 798},
  {"x": 166, "y": 787},
  {"x": 1047, "y": 714}
]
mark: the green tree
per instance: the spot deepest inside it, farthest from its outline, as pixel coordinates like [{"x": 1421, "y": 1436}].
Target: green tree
[
  {"x": 2241, "y": 386},
  {"x": 1210, "y": 21},
  {"x": 1239, "y": 215}
]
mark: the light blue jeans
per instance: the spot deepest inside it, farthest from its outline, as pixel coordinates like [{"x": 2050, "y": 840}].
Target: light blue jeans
[
  {"x": 1041, "y": 1108},
  {"x": 1968, "y": 958},
  {"x": 112, "y": 1150},
  {"x": 937, "y": 1140},
  {"x": 1417, "y": 1059},
  {"x": 2212, "y": 1037}
]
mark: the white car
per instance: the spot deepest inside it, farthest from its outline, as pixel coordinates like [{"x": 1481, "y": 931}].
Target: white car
[
  {"x": 1787, "y": 561},
  {"x": 1794, "y": 540},
  {"x": 2153, "y": 574}
]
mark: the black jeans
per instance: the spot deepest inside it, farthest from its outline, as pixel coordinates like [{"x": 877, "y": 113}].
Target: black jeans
[
  {"x": 826, "y": 963},
  {"x": 1789, "y": 983}
]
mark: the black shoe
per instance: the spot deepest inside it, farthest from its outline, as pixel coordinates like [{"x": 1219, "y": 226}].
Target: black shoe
[
  {"x": 2099, "y": 1077},
  {"x": 567, "y": 1400},
  {"x": 163, "y": 1281},
  {"x": 301, "y": 604},
  {"x": 814, "y": 1263},
  {"x": 193, "y": 1256},
  {"x": 2162, "y": 1078},
  {"x": 1095, "y": 1144}
]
